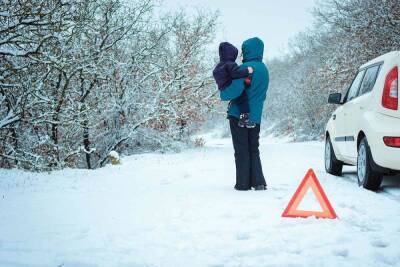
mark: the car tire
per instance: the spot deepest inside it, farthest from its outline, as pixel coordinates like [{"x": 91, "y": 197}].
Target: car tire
[
  {"x": 332, "y": 164},
  {"x": 367, "y": 177}
]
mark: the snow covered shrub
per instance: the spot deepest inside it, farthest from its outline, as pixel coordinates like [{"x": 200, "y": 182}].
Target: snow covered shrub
[
  {"x": 199, "y": 142},
  {"x": 80, "y": 78},
  {"x": 114, "y": 158},
  {"x": 324, "y": 59}
]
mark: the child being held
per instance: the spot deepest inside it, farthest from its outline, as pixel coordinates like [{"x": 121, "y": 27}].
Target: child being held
[{"x": 226, "y": 71}]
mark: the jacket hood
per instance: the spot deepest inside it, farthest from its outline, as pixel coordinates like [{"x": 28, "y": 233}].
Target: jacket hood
[
  {"x": 253, "y": 49},
  {"x": 227, "y": 52}
]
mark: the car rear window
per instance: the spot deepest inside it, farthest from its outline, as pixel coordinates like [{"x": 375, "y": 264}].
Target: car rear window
[{"x": 369, "y": 79}]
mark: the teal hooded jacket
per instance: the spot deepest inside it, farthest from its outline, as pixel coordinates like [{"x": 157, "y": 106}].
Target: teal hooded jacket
[{"x": 253, "y": 51}]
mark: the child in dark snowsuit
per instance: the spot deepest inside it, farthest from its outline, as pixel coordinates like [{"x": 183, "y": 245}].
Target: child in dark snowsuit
[{"x": 226, "y": 71}]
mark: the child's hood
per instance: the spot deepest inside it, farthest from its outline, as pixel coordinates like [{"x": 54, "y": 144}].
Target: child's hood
[{"x": 227, "y": 52}]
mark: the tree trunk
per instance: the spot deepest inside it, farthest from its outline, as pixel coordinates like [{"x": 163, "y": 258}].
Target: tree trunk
[{"x": 86, "y": 143}]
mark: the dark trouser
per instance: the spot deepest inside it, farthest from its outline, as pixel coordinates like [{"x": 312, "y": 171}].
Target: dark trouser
[
  {"x": 247, "y": 156},
  {"x": 243, "y": 103}
]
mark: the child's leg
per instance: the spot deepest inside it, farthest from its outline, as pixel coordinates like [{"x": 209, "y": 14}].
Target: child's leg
[{"x": 243, "y": 103}]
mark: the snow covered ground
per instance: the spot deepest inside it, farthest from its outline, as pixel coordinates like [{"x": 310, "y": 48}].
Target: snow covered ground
[{"x": 181, "y": 210}]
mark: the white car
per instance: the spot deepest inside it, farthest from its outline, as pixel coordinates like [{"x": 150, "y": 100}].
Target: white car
[{"x": 365, "y": 129}]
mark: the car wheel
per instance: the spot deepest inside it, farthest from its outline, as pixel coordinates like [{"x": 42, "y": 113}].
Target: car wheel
[
  {"x": 367, "y": 177},
  {"x": 332, "y": 164}
]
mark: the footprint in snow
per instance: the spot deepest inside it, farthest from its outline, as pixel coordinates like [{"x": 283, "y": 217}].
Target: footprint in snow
[
  {"x": 341, "y": 253},
  {"x": 379, "y": 244},
  {"x": 242, "y": 236},
  {"x": 351, "y": 207},
  {"x": 295, "y": 251},
  {"x": 279, "y": 189}
]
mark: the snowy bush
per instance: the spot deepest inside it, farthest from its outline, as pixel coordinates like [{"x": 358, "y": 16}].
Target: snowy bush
[
  {"x": 114, "y": 157},
  {"x": 347, "y": 34},
  {"x": 199, "y": 142},
  {"x": 80, "y": 78}
]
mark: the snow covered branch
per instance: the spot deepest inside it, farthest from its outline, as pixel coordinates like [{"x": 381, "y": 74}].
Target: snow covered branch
[
  {"x": 80, "y": 78},
  {"x": 348, "y": 33}
]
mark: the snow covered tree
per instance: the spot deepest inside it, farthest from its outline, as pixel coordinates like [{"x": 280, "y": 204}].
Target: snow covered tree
[
  {"x": 81, "y": 78},
  {"x": 347, "y": 34}
]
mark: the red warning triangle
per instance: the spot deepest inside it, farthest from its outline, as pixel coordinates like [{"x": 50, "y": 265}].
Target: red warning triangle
[{"x": 310, "y": 180}]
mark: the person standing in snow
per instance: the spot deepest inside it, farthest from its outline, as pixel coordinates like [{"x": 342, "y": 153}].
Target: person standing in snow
[{"x": 249, "y": 172}]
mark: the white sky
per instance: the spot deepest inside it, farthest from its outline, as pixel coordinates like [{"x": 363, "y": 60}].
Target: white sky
[{"x": 274, "y": 21}]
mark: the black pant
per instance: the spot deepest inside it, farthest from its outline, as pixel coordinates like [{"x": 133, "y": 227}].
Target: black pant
[
  {"x": 243, "y": 103},
  {"x": 247, "y": 156}
]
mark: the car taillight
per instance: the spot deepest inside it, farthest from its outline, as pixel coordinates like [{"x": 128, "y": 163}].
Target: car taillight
[
  {"x": 392, "y": 141},
  {"x": 391, "y": 90}
]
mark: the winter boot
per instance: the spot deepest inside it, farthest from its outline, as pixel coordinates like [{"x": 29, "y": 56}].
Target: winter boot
[
  {"x": 250, "y": 125},
  {"x": 260, "y": 187},
  {"x": 243, "y": 120}
]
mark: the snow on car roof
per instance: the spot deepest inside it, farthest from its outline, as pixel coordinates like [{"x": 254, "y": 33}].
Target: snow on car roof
[{"x": 382, "y": 58}]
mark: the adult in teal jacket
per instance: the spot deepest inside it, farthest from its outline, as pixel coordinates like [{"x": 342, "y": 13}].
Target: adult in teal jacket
[{"x": 246, "y": 141}]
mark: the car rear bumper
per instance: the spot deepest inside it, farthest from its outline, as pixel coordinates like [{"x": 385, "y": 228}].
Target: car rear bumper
[{"x": 384, "y": 156}]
